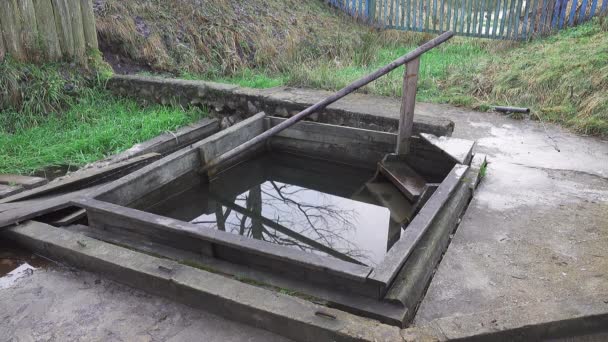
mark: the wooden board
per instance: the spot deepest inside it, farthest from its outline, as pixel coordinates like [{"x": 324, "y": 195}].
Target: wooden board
[
  {"x": 411, "y": 184},
  {"x": 84, "y": 178}
]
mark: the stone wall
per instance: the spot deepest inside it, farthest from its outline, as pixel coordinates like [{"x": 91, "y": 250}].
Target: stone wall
[{"x": 227, "y": 101}]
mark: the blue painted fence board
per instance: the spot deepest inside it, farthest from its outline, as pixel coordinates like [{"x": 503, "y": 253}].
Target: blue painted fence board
[{"x": 497, "y": 19}]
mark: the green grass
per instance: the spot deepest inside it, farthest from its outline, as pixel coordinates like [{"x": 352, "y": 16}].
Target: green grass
[
  {"x": 96, "y": 126},
  {"x": 54, "y": 115},
  {"x": 334, "y": 74}
]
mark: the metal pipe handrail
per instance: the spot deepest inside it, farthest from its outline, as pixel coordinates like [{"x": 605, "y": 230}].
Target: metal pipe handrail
[{"x": 329, "y": 100}]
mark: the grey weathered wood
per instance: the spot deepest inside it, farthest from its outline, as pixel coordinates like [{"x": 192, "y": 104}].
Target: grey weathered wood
[
  {"x": 13, "y": 213},
  {"x": 408, "y": 181},
  {"x": 2, "y": 47},
  {"x": 329, "y": 100},
  {"x": 9, "y": 15},
  {"x": 63, "y": 21},
  {"x": 291, "y": 317},
  {"x": 88, "y": 22},
  {"x": 169, "y": 142},
  {"x": 29, "y": 29},
  {"x": 7, "y": 190},
  {"x": 408, "y": 103},
  {"x": 388, "y": 269},
  {"x": 231, "y": 137},
  {"x": 27, "y": 182},
  {"x": 411, "y": 282},
  {"x": 385, "y": 312},
  {"x": 77, "y": 32},
  {"x": 84, "y": 178},
  {"x": 47, "y": 30},
  {"x": 237, "y": 248}
]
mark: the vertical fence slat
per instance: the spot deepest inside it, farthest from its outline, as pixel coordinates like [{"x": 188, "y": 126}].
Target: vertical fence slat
[
  {"x": 472, "y": 19},
  {"x": 509, "y": 18},
  {"x": 45, "y": 19},
  {"x": 63, "y": 23},
  {"x": 427, "y": 15},
  {"x": 583, "y": 12},
  {"x": 449, "y": 15},
  {"x": 556, "y": 12},
  {"x": 593, "y": 8},
  {"x": 463, "y": 8},
  {"x": 562, "y": 14},
  {"x": 2, "y": 48},
  {"x": 496, "y": 19},
  {"x": 10, "y": 30},
  {"x": 524, "y": 28},
  {"x": 482, "y": 18},
  {"x": 420, "y": 15},
  {"x": 29, "y": 28},
  {"x": 391, "y": 13},
  {"x": 604, "y": 6},
  {"x": 441, "y": 15},
  {"x": 435, "y": 17},
  {"x": 532, "y": 29},
  {"x": 572, "y": 13},
  {"x": 88, "y": 20},
  {"x": 518, "y": 12}
]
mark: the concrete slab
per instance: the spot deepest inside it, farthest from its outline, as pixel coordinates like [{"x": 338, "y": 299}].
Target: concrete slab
[
  {"x": 533, "y": 237},
  {"x": 68, "y": 305}
]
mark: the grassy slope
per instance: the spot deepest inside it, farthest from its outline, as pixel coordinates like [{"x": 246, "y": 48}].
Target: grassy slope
[
  {"x": 62, "y": 118},
  {"x": 265, "y": 43},
  {"x": 563, "y": 78}
]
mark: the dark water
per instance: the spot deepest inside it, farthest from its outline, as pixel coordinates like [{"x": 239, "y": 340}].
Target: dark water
[
  {"x": 303, "y": 203},
  {"x": 12, "y": 256}
]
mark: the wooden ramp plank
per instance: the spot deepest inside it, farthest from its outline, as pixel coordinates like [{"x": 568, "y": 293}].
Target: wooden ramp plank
[{"x": 411, "y": 184}]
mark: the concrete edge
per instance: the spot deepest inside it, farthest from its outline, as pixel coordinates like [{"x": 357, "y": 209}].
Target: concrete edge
[
  {"x": 569, "y": 318},
  {"x": 287, "y": 316},
  {"x": 228, "y": 99}
]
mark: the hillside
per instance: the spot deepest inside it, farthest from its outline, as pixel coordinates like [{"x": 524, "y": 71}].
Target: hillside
[
  {"x": 220, "y": 37},
  {"x": 304, "y": 43}
]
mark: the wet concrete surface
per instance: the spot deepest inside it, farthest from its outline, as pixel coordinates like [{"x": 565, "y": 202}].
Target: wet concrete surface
[
  {"x": 58, "y": 304},
  {"x": 534, "y": 235},
  {"x": 530, "y": 249}
]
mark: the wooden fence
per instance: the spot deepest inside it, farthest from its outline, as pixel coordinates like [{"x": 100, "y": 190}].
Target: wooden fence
[
  {"x": 47, "y": 30},
  {"x": 497, "y": 19}
]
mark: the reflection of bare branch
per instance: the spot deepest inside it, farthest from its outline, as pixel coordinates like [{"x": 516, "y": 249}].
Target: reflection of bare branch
[{"x": 306, "y": 224}]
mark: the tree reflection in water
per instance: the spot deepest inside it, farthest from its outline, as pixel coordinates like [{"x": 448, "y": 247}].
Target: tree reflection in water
[{"x": 289, "y": 215}]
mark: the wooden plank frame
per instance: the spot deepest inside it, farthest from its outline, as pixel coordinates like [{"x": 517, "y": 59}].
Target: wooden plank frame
[{"x": 107, "y": 208}]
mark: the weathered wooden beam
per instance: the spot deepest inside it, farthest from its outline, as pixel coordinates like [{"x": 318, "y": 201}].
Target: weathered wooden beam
[
  {"x": 47, "y": 30},
  {"x": 84, "y": 178},
  {"x": 408, "y": 103},
  {"x": 291, "y": 317},
  {"x": 77, "y": 32},
  {"x": 9, "y": 18},
  {"x": 29, "y": 29},
  {"x": 88, "y": 22},
  {"x": 388, "y": 269},
  {"x": 63, "y": 21}
]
